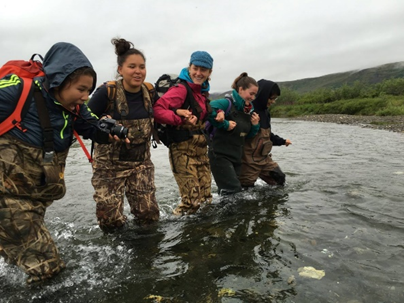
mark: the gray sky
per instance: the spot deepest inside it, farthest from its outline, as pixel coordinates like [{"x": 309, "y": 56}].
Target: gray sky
[{"x": 280, "y": 40}]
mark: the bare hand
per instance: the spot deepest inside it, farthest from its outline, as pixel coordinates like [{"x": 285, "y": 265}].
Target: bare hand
[
  {"x": 183, "y": 113},
  {"x": 116, "y": 138},
  {"x": 287, "y": 142},
  {"x": 220, "y": 117},
  {"x": 191, "y": 120},
  {"x": 232, "y": 125},
  {"x": 255, "y": 118}
]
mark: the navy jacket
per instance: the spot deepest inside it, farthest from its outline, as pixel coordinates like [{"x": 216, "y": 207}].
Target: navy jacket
[
  {"x": 266, "y": 89},
  {"x": 59, "y": 62}
]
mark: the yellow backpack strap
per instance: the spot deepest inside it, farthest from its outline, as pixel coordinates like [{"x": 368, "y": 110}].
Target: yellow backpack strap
[
  {"x": 151, "y": 89},
  {"x": 111, "y": 90}
]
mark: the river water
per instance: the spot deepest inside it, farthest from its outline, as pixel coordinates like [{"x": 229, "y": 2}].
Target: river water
[{"x": 341, "y": 212}]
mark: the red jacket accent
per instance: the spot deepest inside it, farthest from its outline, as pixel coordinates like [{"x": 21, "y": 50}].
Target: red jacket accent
[{"x": 174, "y": 99}]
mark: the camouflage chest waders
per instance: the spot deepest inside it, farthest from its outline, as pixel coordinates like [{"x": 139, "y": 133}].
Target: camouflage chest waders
[
  {"x": 121, "y": 169},
  {"x": 257, "y": 161},
  {"x": 27, "y": 188},
  {"x": 191, "y": 169}
]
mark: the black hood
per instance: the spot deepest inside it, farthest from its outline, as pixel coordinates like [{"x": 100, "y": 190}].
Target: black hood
[
  {"x": 61, "y": 60},
  {"x": 266, "y": 89}
]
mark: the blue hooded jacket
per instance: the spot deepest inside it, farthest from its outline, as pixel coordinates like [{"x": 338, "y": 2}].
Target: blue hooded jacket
[{"x": 59, "y": 62}]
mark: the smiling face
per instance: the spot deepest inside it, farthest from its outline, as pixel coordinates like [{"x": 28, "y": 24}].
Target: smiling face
[
  {"x": 199, "y": 74},
  {"x": 272, "y": 100},
  {"x": 249, "y": 93},
  {"x": 75, "y": 93},
  {"x": 133, "y": 72}
]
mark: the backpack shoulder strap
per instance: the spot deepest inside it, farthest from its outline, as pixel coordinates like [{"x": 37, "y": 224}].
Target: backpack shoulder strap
[
  {"x": 14, "y": 120},
  {"x": 151, "y": 89},
  {"x": 111, "y": 91},
  {"x": 44, "y": 120},
  {"x": 229, "y": 106},
  {"x": 190, "y": 101}
]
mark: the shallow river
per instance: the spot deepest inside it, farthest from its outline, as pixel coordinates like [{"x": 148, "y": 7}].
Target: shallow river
[{"x": 341, "y": 213}]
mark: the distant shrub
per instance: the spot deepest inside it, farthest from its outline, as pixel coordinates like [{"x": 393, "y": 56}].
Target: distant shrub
[{"x": 393, "y": 87}]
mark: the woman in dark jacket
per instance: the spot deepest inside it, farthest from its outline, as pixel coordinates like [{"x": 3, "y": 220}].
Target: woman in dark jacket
[
  {"x": 31, "y": 179},
  {"x": 257, "y": 159}
]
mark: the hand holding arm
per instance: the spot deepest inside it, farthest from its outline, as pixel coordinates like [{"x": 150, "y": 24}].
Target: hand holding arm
[
  {"x": 232, "y": 125},
  {"x": 220, "y": 116},
  {"x": 255, "y": 118}
]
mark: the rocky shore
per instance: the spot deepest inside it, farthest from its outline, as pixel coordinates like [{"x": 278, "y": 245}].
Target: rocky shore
[{"x": 390, "y": 123}]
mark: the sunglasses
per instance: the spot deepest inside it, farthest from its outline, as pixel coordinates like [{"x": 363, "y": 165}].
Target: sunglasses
[{"x": 273, "y": 98}]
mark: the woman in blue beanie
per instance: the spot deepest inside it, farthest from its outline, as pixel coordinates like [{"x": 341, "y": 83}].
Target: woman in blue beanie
[{"x": 185, "y": 108}]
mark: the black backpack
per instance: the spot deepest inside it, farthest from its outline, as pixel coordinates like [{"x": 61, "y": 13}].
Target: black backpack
[{"x": 168, "y": 134}]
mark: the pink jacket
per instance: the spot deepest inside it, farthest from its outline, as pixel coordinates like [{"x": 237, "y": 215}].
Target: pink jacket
[{"x": 173, "y": 99}]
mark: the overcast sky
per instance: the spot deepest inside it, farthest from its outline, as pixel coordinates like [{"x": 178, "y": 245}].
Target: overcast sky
[{"x": 280, "y": 40}]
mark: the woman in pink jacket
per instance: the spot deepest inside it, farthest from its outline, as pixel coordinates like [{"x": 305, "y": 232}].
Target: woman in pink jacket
[{"x": 185, "y": 109}]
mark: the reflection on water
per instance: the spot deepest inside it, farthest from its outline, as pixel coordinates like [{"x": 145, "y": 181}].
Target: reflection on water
[{"x": 340, "y": 212}]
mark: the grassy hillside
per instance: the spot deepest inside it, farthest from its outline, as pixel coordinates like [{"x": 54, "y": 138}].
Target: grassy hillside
[
  {"x": 371, "y": 75},
  {"x": 367, "y": 76},
  {"x": 377, "y": 91}
]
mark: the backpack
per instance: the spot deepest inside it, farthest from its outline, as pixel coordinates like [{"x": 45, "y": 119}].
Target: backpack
[
  {"x": 209, "y": 128},
  {"x": 168, "y": 134},
  {"x": 164, "y": 82},
  {"x": 26, "y": 71}
]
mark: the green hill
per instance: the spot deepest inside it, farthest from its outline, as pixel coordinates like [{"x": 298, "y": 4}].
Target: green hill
[{"x": 371, "y": 75}]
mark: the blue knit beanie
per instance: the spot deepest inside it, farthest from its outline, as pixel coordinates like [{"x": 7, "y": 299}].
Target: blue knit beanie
[{"x": 201, "y": 58}]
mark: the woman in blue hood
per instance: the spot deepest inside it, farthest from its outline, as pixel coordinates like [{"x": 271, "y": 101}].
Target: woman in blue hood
[
  {"x": 257, "y": 160},
  {"x": 30, "y": 178}
]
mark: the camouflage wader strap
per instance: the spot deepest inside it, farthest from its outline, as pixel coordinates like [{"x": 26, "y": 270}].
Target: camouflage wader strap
[
  {"x": 116, "y": 95},
  {"x": 190, "y": 101},
  {"x": 51, "y": 172}
]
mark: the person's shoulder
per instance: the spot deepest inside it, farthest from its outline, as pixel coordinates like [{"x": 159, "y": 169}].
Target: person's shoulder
[
  {"x": 175, "y": 91},
  {"x": 101, "y": 91},
  {"x": 221, "y": 101},
  {"x": 11, "y": 80},
  {"x": 104, "y": 86},
  {"x": 10, "y": 87}
]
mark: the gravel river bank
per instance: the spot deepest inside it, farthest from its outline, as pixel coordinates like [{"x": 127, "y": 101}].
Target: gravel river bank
[{"x": 390, "y": 123}]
